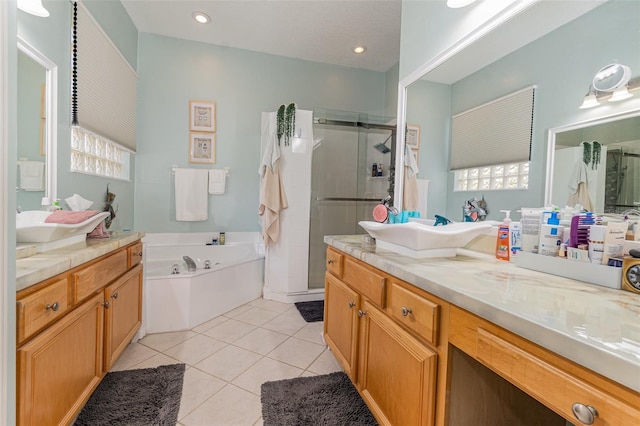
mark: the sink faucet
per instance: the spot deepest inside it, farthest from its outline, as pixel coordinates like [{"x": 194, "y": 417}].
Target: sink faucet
[
  {"x": 191, "y": 265},
  {"x": 18, "y": 209},
  {"x": 386, "y": 201}
]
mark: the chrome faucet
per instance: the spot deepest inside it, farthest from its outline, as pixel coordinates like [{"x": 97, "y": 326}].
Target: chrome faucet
[
  {"x": 18, "y": 209},
  {"x": 191, "y": 265},
  {"x": 386, "y": 201}
]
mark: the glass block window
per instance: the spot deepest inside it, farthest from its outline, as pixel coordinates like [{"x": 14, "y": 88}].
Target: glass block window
[
  {"x": 497, "y": 177},
  {"x": 94, "y": 155}
]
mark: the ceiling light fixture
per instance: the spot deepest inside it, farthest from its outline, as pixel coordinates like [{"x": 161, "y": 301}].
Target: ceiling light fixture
[
  {"x": 33, "y": 7},
  {"x": 359, "y": 49},
  {"x": 201, "y": 17},
  {"x": 456, "y": 4}
]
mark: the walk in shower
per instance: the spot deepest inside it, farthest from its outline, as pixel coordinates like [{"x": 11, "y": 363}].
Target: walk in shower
[
  {"x": 345, "y": 185},
  {"x": 622, "y": 182}
]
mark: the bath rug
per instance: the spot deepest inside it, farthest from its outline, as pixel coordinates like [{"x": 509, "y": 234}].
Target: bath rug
[
  {"x": 311, "y": 311},
  {"x": 329, "y": 399},
  {"x": 143, "y": 397}
]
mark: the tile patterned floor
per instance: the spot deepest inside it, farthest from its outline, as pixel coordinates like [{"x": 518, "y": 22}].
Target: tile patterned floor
[{"x": 229, "y": 357}]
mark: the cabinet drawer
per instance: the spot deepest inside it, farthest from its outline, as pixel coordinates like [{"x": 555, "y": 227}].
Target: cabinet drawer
[
  {"x": 134, "y": 255},
  {"x": 92, "y": 278},
  {"x": 334, "y": 262},
  {"x": 41, "y": 308},
  {"x": 414, "y": 312},
  {"x": 555, "y": 388},
  {"x": 365, "y": 281}
]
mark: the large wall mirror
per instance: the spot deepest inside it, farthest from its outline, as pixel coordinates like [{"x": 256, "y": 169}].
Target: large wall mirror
[
  {"x": 556, "y": 46},
  {"x": 37, "y": 127}
]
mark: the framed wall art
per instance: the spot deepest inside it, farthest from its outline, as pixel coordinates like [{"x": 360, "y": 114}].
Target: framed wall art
[
  {"x": 413, "y": 136},
  {"x": 202, "y": 116},
  {"x": 202, "y": 148}
]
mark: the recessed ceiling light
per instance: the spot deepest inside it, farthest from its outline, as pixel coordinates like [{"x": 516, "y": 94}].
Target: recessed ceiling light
[
  {"x": 203, "y": 18},
  {"x": 359, "y": 49}
]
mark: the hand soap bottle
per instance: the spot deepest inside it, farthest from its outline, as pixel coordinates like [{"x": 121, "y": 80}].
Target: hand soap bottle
[{"x": 502, "y": 241}]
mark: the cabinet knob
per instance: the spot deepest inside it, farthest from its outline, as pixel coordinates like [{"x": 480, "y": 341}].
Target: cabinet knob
[
  {"x": 351, "y": 304},
  {"x": 54, "y": 307},
  {"x": 139, "y": 254},
  {"x": 330, "y": 261},
  {"x": 406, "y": 311},
  {"x": 586, "y": 414},
  {"x": 362, "y": 313},
  {"x": 106, "y": 304},
  {"x": 115, "y": 295}
]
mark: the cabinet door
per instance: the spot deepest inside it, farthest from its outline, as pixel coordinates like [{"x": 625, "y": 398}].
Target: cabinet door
[
  {"x": 58, "y": 369},
  {"x": 123, "y": 313},
  {"x": 396, "y": 372},
  {"x": 340, "y": 325}
]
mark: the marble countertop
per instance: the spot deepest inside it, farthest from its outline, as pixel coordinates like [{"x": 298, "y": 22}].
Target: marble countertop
[
  {"x": 596, "y": 327},
  {"x": 39, "y": 266}
]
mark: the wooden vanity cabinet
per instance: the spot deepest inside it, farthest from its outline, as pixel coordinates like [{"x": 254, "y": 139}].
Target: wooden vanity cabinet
[
  {"x": 391, "y": 364},
  {"x": 64, "y": 353}
]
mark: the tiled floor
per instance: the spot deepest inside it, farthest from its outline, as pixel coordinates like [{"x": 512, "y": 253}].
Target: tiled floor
[{"x": 229, "y": 357}]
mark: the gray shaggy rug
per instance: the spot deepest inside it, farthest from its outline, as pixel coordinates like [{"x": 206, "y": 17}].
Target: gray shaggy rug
[
  {"x": 330, "y": 400},
  {"x": 311, "y": 311},
  {"x": 144, "y": 397}
]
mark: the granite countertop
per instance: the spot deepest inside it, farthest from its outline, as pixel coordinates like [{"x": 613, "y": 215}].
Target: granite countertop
[
  {"x": 39, "y": 266},
  {"x": 596, "y": 327}
]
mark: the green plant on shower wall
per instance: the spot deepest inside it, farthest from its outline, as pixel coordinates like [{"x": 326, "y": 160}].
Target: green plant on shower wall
[{"x": 286, "y": 122}]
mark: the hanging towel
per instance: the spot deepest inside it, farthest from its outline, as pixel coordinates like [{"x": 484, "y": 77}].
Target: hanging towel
[
  {"x": 272, "y": 200},
  {"x": 271, "y": 152},
  {"x": 217, "y": 180},
  {"x": 31, "y": 175},
  {"x": 191, "y": 195},
  {"x": 410, "y": 199},
  {"x": 579, "y": 189}
]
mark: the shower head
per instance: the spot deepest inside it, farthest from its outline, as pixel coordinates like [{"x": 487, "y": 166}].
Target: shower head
[{"x": 382, "y": 147}]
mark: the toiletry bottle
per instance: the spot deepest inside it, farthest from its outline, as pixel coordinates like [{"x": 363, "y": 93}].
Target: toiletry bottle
[
  {"x": 374, "y": 170},
  {"x": 502, "y": 241},
  {"x": 515, "y": 240},
  {"x": 380, "y": 169},
  {"x": 221, "y": 238},
  {"x": 551, "y": 236}
]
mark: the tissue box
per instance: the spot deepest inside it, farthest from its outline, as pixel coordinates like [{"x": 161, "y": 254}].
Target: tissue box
[{"x": 606, "y": 276}]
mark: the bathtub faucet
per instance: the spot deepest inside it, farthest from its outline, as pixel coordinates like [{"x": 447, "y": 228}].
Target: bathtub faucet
[{"x": 191, "y": 265}]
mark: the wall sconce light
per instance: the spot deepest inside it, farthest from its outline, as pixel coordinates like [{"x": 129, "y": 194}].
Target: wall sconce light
[
  {"x": 33, "y": 7},
  {"x": 612, "y": 82}
]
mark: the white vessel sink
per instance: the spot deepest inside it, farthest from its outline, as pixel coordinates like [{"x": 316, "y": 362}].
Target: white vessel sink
[
  {"x": 420, "y": 239},
  {"x": 31, "y": 227}
]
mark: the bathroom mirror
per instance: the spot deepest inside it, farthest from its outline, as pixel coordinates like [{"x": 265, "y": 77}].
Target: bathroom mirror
[
  {"x": 37, "y": 127},
  {"x": 613, "y": 174},
  {"x": 529, "y": 47}
]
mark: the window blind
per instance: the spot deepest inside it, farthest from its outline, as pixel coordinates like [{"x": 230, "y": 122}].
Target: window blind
[
  {"x": 105, "y": 86},
  {"x": 498, "y": 132}
]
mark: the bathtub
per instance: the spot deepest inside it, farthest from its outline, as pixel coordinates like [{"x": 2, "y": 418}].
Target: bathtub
[{"x": 182, "y": 301}]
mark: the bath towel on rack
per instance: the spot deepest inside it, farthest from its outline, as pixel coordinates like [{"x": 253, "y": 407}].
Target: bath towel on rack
[
  {"x": 191, "y": 195},
  {"x": 31, "y": 175},
  {"x": 217, "y": 181}
]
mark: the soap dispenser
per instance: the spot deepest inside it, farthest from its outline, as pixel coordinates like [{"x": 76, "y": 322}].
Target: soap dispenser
[
  {"x": 502, "y": 241},
  {"x": 551, "y": 236}
]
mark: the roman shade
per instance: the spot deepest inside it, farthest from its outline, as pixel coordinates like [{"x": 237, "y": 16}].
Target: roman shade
[
  {"x": 104, "y": 86},
  {"x": 498, "y": 132}
]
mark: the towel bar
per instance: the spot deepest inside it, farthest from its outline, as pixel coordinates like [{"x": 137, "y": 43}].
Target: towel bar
[{"x": 227, "y": 170}]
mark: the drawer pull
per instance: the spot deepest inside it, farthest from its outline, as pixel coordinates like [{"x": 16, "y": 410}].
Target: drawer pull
[
  {"x": 330, "y": 261},
  {"x": 406, "y": 311},
  {"x": 54, "y": 307},
  {"x": 139, "y": 254},
  {"x": 586, "y": 414},
  {"x": 362, "y": 313},
  {"x": 106, "y": 304},
  {"x": 115, "y": 295},
  {"x": 351, "y": 304}
]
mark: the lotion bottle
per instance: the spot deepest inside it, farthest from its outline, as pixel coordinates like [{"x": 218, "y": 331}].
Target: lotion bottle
[
  {"x": 551, "y": 236},
  {"x": 502, "y": 241}
]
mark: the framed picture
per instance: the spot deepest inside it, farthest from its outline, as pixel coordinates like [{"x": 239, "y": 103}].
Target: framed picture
[
  {"x": 202, "y": 148},
  {"x": 202, "y": 116},
  {"x": 413, "y": 136}
]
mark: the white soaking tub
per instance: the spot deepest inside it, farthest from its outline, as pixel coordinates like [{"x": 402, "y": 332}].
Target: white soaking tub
[{"x": 184, "y": 300}]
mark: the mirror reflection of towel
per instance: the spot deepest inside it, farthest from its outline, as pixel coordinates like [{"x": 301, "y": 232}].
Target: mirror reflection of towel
[{"x": 31, "y": 175}]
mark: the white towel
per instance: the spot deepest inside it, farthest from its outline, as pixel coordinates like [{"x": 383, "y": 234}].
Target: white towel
[
  {"x": 191, "y": 195},
  {"x": 271, "y": 152},
  {"x": 217, "y": 180},
  {"x": 31, "y": 175}
]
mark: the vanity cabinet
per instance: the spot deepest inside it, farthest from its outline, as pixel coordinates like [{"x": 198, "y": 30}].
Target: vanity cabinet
[
  {"x": 390, "y": 360},
  {"x": 71, "y": 328}
]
